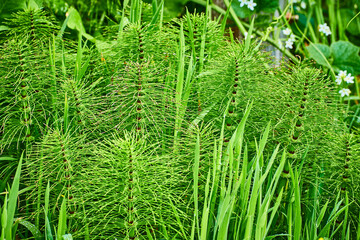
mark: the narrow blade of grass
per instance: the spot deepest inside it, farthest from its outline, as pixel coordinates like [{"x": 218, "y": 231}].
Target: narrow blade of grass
[
  {"x": 13, "y": 200},
  {"x": 61, "y": 230}
]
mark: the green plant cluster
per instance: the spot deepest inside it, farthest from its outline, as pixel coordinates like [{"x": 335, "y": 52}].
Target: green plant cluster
[
  {"x": 325, "y": 31},
  {"x": 167, "y": 131}
]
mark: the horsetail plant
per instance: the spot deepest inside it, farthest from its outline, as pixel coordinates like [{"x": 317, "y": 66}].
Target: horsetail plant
[
  {"x": 24, "y": 75},
  {"x": 57, "y": 158},
  {"x": 236, "y": 76},
  {"x": 140, "y": 133},
  {"x": 307, "y": 104},
  {"x": 135, "y": 184},
  {"x": 24, "y": 112}
]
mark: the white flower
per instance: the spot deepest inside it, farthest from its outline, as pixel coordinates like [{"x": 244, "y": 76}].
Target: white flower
[
  {"x": 324, "y": 28},
  {"x": 327, "y": 31},
  {"x": 289, "y": 43},
  {"x": 251, "y": 5},
  {"x": 245, "y": 35},
  {"x": 342, "y": 74},
  {"x": 344, "y": 92},
  {"x": 243, "y": 2},
  {"x": 292, "y": 37},
  {"x": 349, "y": 78},
  {"x": 303, "y": 5},
  {"x": 280, "y": 44},
  {"x": 287, "y": 31},
  {"x": 338, "y": 80}
]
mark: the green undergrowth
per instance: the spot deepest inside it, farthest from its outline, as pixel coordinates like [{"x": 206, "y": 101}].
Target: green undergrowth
[{"x": 167, "y": 131}]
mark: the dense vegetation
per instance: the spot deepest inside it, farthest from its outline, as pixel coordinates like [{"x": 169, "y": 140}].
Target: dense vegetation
[{"x": 167, "y": 130}]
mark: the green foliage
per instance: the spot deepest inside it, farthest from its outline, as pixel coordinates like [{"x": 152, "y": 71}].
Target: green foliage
[
  {"x": 267, "y": 6},
  {"x": 9, "y": 208},
  {"x": 340, "y": 55},
  {"x": 139, "y": 92},
  {"x": 321, "y": 53},
  {"x": 10, "y": 224},
  {"x": 346, "y": 147},
  {"x": 8, "y": 6},
  {"x": 346, "y": 56},
  {"x": 305, "y": 95},
  {"x": 137, "y": 196},
  {"x": 172, "y": 7},
  {"x": 235, "y": 77},
  {"x": 25, "y": 92},
  {"x": 74, "y": 22},
  {"x": 32, "y": 24},
  {"x": 147, "y": 132}
]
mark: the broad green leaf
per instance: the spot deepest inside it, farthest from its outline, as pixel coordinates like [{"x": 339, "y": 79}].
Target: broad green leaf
[
  {"x": 352, "y": 98},
  {"x": 9, "y": 6},
  {"x": 346, "y": 57},
  {"x": 268, "y": 6},
  {"x": 75, "y": 22},
  {"x": 173, "y": 8},
  {"x": 346, "y": 15},
  {"x": 88, "y": 36},
  {"x": 320, "y": 53},
  {"x": 241, "y": 12},
  {"x": 34, "y": 4},
  {"x": 248, "y": 39}
]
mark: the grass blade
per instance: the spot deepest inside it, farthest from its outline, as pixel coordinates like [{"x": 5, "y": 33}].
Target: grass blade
[
  {"x": 31, "y": 227},
  {"x": 62, "y": 221},
  {"x": 13, "y": 200}
]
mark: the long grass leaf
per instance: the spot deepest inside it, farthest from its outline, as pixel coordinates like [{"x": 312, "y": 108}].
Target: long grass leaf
[
  {"x": 191, "y": 34},
  {"x": 223, "y": 23},
  {"x": 156, "y": 16},
  {"x": 4, "y": 218},
  {"x": 334, "y": 214},
  {"x": 177, "y": 218},
  {"x": 61, "y": 230},
  {"x": 205, "y": 214},
  {"x": 195, "y": 185},
  {"x": 179, "y": 86},
  {"x": 13, "y": 200},
  {"x": 123, "y": 18},
  {"x": 48, "y": 232},
  {"x": 248, "y": 38},
  {"x": 31, "y": 227}
]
